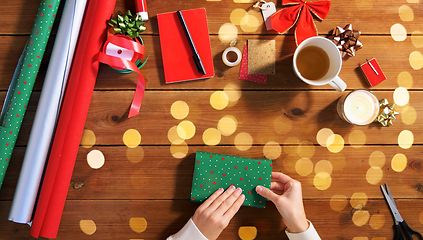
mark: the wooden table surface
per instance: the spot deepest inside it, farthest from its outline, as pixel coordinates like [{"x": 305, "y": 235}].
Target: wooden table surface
[{"x": 151, "y": 183}]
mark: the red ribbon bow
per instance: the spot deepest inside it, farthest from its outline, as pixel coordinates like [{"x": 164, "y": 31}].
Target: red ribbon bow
[
  {"x": 121, "y": 63},
  {"x": 300, "y": 13}
]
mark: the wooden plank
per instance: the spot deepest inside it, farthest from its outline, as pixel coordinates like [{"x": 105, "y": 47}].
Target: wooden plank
[
  {"x": 151, "y": 172},
  {"x": 18, "y": 16},
  {"x": 393, "y": 58},
  {"x": 255, "y": 112},
  {"x": 167, "y": 217}
]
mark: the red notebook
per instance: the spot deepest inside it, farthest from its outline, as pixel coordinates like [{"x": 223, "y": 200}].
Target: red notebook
[{"x": 178, "y": 63}]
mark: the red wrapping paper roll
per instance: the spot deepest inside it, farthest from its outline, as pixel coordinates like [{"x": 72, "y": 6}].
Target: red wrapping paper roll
[{"x": 72, "y": 119}]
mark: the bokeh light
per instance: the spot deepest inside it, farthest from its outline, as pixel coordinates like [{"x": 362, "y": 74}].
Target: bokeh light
[
  {"x": 282, "y": 124},
  {"x": 233, "y": 91},
  {"x": 227, "y": 125},
  {"x": 135, "y": 155},
  {"x": 360, "y": 217},
  {"x": 186, "y": 129},
  {"x": 416, "y": 60},
  {"x": 364, "y": 4},
  {"x": 272, "y": 150},
  {"x": 131, "y": 138},
  {"x": 322, "y": 180},
  {"x": 337, "y": 143},
  {"x": 338, "y": 202},
  {"x": 228, "y": 32},
  {"x": 408, "y": 115},
  {"x": 357, "y": 138},
  {"x": 323, "y": 166},
  {"x": 174, "y": 136},
  {"x": 417, "y": 39},
  {"x": 405, "y": 139},
  {"x": 243, "y": 141},
  {"x": 401, "y": 96},
  {"x": 304, "y": 167},
  {"x": 398, "y": 32},
  {"x": 399, "y": 162},
  {"x": 88, "y": 139},
  {"x": 374, "y": 175},
  {"x": 406, "y": 13},
  {"x": 211, "y": 137},
  {"x": 95, "y": 159},
  {"x": 179, "y": 150},
  {"x": 377, "y": 159},
  {"x": 237, "y": 15},
  {"x": 323, "y": 135},
  {"x": 88, "y": 226},
  {"x": 247, "y": 232},
  {"x": 251, "y": 21},
  {"x": 179, "y": 110},
  {"x": 358, "y": 200},
  {"x": 138, "y": 225},
  {"x": 405, "y": 80},
  {"x": 219, "y": 100},
  {"x": 377, "y": 221}
]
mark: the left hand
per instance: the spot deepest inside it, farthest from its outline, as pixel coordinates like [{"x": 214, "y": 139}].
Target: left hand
[{"x": 216, "y": 212}]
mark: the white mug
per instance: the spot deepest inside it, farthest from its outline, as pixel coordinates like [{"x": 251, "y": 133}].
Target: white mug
[{"x": 335, "y": 63}]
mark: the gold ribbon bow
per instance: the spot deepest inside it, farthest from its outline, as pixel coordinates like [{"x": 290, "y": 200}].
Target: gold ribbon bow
[{"x": 386, "y": 112}]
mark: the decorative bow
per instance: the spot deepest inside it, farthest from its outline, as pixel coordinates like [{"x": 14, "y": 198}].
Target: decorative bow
[
  {"x": 121, "y": 52},
  {"x": 300, "y": 12},
  {"x": 386, "y": 112},
  {"x": 346, "y": 39}
]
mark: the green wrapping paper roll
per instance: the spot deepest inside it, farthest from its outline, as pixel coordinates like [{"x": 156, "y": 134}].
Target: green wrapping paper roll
[{"x": 23, "y": 81}]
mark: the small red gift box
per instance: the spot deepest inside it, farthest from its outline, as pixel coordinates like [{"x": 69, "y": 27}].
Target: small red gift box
[{"x": 373, "y": 72}]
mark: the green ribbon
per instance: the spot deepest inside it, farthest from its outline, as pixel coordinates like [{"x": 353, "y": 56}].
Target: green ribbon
[{"x": 23, "y": 81}]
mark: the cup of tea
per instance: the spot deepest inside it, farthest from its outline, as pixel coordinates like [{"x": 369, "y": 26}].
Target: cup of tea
[{"x": 317, "y": 61}]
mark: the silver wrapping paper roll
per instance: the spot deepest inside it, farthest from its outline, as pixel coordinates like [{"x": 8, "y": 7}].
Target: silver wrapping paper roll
[{"x": 47, "y": 112}]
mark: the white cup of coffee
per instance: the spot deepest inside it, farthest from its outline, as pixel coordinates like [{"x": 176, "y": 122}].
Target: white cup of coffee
[{"x": 317, "y": 61}]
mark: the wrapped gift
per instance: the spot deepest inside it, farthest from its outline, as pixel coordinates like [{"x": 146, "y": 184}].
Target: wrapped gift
[{"x": 213, "y": 171}]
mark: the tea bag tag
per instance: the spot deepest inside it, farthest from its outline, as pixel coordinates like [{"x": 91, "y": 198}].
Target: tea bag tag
[{"x": 267, "y": 9}]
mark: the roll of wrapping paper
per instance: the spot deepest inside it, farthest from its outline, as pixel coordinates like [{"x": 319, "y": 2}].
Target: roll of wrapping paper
[
  {"x": 23, "y": 80},
  {"x": 72, "y": 118},
  {"x": 47, "y": 112}
]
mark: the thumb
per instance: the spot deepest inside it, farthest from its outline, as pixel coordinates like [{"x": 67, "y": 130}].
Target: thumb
[{"x": 267, "y": 193}]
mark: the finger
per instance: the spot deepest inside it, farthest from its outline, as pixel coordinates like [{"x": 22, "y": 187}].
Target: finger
[
  {"x": 267, "y": 193},
  {"x": 281, "y": 177},
  {"x": 277, "y": 186},
  {"x": 227, "y": 203},
  {"x": 211, "y": 199},
  {"x": 218, "y": 201},
  {"x": 278, "y": 192},
  {"x": 235, "y": 207}
]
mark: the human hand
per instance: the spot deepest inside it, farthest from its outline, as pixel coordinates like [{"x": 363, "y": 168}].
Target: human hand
[
  {"x": 216, "y": 212},
  {"x": 286, "y": 194}
]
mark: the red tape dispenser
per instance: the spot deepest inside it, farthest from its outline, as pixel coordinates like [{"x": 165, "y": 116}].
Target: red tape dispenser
[{"x": 373, "y": 72}]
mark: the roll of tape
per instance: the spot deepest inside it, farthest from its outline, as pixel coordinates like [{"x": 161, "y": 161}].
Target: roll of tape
[{"x": 225, "y": 55}]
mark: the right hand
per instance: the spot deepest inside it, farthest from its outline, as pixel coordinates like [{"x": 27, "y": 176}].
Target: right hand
[
  {"x": 286, "y": 194},
  {"x": 216, "y": 212}
]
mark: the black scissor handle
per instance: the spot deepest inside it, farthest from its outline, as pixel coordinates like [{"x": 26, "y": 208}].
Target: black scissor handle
[
  {"x": 398, "y": 232},
  {"x": 410, "y": 232}
]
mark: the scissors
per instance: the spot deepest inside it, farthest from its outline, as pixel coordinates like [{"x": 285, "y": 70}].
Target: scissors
[{"x": 399, "y": 222}]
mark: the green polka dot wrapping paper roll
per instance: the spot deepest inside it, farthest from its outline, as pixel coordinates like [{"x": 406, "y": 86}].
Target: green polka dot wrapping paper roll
[
  {"x": 23, "y": 80},
  {"x": 213, "y": 171}
]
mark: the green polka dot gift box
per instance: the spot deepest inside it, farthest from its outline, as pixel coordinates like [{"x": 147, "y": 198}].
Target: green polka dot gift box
[{"x": 213, "y": 171}]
